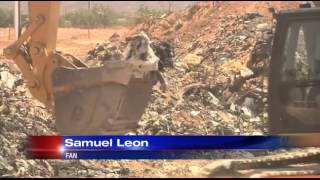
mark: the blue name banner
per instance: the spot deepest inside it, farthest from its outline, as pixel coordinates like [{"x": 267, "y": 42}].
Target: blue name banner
[
  {"x": 157, "y": 147},
  {"x": 162, "y": 147},
  {"x": 155, "y": 143}
]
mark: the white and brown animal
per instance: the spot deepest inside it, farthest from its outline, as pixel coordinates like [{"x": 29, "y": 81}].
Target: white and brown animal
[{"x": 139, "y": 48}]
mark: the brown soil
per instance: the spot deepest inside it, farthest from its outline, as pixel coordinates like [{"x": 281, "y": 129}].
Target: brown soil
[
  {"x": 201, "y": 22},
  {"x": 71, "y": 40}
]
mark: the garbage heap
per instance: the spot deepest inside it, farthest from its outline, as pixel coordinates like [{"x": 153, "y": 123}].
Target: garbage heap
[
  {"x": 22, "y": 116},
  {"x": 217, "y": 78},
  {"x": 115, "y": 49},
  {"x": 217, "y": 84},
  {"x": 215, "y": 58},
  {"x": 218, "y": 81}
]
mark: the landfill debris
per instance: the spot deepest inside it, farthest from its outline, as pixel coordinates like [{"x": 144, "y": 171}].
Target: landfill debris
[
  {"x": 192, "y": 59},
  {"x": 22, "y": 116},
  {"x": 220, "y": 84},
  {"x": 115, "y": 49},
  {"x": 214, "y": 57},
  {"x": 110, "y": 50},
  {"x": 165, "y": 51},
  {"x": 8, "y": 79}
]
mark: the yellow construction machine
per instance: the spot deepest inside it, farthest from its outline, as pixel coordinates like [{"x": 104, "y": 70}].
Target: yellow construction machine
[
  {"x": 85, "y": 100},
  {"x": 112, "y": 98},
  {"x": 294, "y": 79}
]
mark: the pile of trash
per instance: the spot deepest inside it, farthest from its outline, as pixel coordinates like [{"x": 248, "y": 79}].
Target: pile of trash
[
  {"x": 18, "y": 120},
  {"x": 22, "y": 116},
  {"x": 218, "y": 86},
  {"x": 214, "y": 56},
  {"x": 219, "y": 81},
  {"x": 114, "y": 49}
]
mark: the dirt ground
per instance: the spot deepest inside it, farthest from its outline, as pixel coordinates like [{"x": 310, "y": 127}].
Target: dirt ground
[{"x": 71, "y": 40}]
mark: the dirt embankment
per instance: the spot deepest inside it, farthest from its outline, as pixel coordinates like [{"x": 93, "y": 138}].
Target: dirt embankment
[{"x": 202, "y": 20}]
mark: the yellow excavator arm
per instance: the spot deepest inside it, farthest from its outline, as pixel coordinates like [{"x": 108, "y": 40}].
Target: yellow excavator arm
[
  {"x": 40, "y": 38},
  {"x": 96, "y": 100}
]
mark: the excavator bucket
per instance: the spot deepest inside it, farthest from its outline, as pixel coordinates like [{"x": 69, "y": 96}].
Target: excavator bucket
[
  {"x": 109, "y": 99},
  {"x": 102, "y": 100},
  {"x": 85, "y": 100}
]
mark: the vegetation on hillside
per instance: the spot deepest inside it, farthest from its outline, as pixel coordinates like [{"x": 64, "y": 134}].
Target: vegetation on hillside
[
  {"x": 99, "y": 16},
  {"x": 145, "y": 11},
  {"x": 6, "y": 18},
  {"x": 104, "y": 16}
]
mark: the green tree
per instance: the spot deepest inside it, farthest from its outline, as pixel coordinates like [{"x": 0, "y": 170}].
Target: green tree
[
  {"x": 144, "y": 11},
  {"x": 98, "y": 16},
  {"x": 6, "y": 18}
]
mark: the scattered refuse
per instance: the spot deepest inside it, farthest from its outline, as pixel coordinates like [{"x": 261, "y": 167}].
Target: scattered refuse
[{"x": 211, "y": 61}]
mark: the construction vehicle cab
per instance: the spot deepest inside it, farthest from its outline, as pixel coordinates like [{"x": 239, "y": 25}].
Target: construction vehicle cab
[{"x": 294, "y": 79}]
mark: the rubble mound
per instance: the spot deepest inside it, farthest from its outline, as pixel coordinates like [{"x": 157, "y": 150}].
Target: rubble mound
[
  {"x": 21, "y": 116},
  {"x": 215, "y": 58},
  {"x": 217, "y": 86},
  {"x": 201, "y": 20},
  {"x": 115, "y": 50},
  {"x": 107, "y": 51}
]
